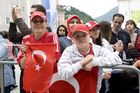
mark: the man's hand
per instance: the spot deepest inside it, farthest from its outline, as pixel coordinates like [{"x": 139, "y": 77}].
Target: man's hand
[
  {"x": 13, "y": 14},
  {"x": 17, "y": 11}
]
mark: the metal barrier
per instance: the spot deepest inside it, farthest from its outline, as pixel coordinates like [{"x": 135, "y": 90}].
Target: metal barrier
[
  {"x": 15, "y": 62},
  {"x": 2, "y": 71},
  {"x": 126, "y": 67}
]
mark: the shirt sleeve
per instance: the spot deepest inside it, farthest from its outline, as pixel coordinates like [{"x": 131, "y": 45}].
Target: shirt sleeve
[
  {"x": 22, "y": 26},
  {"x": 106, "y": 58},
  {"x": 66, "y": 68}
]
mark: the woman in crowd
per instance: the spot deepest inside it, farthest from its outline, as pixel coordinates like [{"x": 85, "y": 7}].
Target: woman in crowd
[
  {"x": 94, "y": 31},
  {"x": 101, "y": 33},
  {"x": 131, "y": 27},
  {"x": 62, "y": 31},
  {"x": 38, "y": 22},
  {"x": 71, "y": 22},
  {"x": 106, "y": 34},
  {"x": 133, "y": 30}
]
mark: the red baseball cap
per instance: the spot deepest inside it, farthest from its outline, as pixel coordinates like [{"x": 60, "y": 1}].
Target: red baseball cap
[
  {"x": 91, "y": 24},
  {"x": 40, "y": 14},
  {"x": 80, "y": 28}
]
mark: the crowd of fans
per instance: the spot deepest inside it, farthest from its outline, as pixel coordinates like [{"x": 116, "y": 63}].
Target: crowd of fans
[{"x": 81, "y": 49}]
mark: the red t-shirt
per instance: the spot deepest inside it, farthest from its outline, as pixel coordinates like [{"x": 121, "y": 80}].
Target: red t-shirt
[{"x": 48, "y": 37}]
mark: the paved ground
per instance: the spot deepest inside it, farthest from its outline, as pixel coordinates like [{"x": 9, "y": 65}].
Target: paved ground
[{"x": 17, "y": 71}]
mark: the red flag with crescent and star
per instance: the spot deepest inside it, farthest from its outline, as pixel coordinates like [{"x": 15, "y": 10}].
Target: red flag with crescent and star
[
  {"x": 82, "y": 82},
  {"x": 38, "y": 68}
]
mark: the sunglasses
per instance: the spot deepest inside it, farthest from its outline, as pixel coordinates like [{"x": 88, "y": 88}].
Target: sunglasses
[{"x": 38, "y": 21}]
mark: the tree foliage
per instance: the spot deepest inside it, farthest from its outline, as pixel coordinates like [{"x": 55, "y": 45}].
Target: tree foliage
[{"x": 73, "y": 11}]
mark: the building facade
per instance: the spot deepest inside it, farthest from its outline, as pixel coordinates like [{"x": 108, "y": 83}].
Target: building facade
[
  {"x": 130, "y": 9},
  {"x": 6, "y": 11}
]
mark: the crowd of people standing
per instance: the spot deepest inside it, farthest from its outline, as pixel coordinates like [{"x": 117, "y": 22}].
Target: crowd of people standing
[{"x": 81, "y": 48}]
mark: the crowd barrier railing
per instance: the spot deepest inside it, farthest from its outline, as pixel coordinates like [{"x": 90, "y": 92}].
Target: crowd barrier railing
[
  {"x": 126, "y": 67},
  {"x": 15, "y": 62},
  {"x": 2, "y": 72}
]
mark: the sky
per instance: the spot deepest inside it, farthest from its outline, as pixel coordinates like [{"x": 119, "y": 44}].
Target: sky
[{"x": 94, "y": 8}]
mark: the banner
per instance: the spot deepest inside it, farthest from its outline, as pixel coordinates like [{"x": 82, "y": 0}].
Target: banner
[{"x": 51, "y": 8}]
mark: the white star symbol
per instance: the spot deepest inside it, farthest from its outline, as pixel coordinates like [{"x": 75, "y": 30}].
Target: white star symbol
[{"x": 37, "y": 67}]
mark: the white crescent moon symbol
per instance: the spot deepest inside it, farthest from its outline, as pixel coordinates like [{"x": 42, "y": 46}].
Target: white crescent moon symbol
[
  {"x": 71, "y": 81},
  {"x": 39, "y": 52}
]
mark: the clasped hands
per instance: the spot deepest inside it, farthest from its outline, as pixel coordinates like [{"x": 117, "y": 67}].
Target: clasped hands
[{"x": 86, "y": 62}]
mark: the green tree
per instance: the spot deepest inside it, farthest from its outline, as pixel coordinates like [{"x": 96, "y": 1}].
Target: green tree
[{"x": 73, "y": 11}]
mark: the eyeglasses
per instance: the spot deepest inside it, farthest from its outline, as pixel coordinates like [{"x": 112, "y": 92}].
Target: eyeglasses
[{"x": 38, "y": 21}]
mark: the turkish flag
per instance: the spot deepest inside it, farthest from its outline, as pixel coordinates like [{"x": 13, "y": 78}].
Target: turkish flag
[
  {"x": 39, "y": 66},
  {"x": 82, "y": 82}
]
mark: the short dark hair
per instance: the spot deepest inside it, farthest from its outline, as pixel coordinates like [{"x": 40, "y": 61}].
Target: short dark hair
[
  {"x": 118, "y": 15},
  {"x": 40, "y": 8}
]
